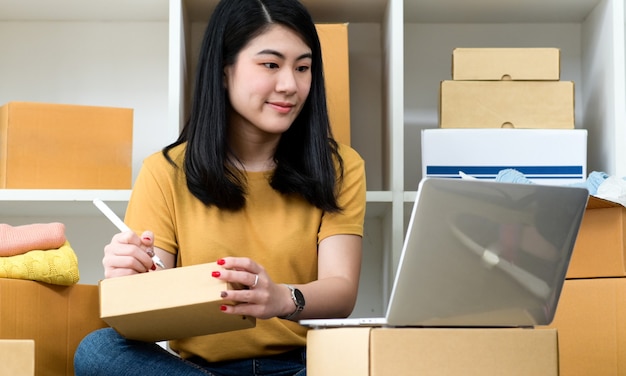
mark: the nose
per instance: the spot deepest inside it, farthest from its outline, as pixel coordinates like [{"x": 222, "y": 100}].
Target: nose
[{"x": 287, "y": 82}]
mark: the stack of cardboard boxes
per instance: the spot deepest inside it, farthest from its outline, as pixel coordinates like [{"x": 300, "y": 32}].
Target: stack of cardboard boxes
[
  {"x": 506, "y": 108},
  {"x": 41, "y": 326},
  {"x": 591, "y": 316}
]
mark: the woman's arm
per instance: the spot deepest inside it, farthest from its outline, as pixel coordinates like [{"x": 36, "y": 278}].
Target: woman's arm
[
  {"x": 333, "y": 294},
  {"x": 335, "y": 291}
]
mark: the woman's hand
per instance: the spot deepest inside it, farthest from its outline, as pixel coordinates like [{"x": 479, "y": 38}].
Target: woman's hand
[
  {"x": 260, "y": 297},
  {"x": 128, "y": 254},
  {"x": 333, "y": 294}
]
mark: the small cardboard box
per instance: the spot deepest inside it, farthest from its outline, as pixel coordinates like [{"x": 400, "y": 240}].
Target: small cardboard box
[
  {"x": 55, "y": 146},
  {"x": 421, "y": 351},
  {"x": 600, "y": 249},
  {"x": 334, "y": 42},
  {"x": 169, "y": 304},
  {"x": 591, "y": 321},
  {"x": 56, "y": 317},
  {"x": 507, "y": 104},
  {"x": 17, "y": 357},
  {"x": 534, "y": 64},
  {"x": 545, "y": 156}
]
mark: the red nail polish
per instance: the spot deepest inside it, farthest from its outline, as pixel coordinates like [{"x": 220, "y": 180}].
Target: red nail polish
[
  {"x": 221, "y": 262},
  {"x": 223, "y": 294},
  {"x": 216, "y": 274},
  {"x": 223, "y": 308},
  {"x": 153, "y": 267},
  {"x": 146, "y": 238}
]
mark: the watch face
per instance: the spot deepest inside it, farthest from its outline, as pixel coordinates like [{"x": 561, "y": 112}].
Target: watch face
[{"x": 299, "y": 297}]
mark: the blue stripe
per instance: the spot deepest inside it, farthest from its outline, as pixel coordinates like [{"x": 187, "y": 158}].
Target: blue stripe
[
  {"x": 457, "y": 176},
  {"x": 536, "y": 171}
]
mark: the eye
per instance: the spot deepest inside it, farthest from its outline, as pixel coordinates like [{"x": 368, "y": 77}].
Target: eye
[
  {"x": 303, "y": 68},
  {"x": 270, "y": 65}
]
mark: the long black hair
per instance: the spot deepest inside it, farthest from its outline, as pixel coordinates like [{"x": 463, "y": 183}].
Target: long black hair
[{"x": 306, "y": 153}]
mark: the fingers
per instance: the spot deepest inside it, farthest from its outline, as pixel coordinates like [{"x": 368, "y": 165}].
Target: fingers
[
  {"x": 241, "y": 270},
  {"x": 239, "y": 263},
  {"x": 255, "y": 303},
  {"x": 147, "y": 239},
  {"x": 259, "y": 294},
  {"x": 128, "y": 254},
  {"x": 241, "y": 277}
]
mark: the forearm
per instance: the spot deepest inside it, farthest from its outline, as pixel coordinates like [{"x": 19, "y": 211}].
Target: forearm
[
  {"x": 326, "y": 298},
  {"x": 334, "y": 293}
]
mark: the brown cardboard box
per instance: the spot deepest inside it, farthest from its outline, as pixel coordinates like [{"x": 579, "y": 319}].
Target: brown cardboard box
[
  {"x": 507, "y": 104},
  {"x": 534, "y": 64},
  {"x": 420, "y": 351},
  {"x": 334, "y": 41},
  {"x": 591, "y": 321},
  {"x": 600, "y": 249},
  {"x": 169, "y": 304},
  {"x": 17, "y": 357},
  {"x": 56, "y": 317},
  {"x": 54, "y": 146}
]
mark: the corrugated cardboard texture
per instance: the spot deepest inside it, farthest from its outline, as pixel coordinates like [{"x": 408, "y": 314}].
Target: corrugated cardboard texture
[
  {"x": 506, "y": 64},
  {"x": 334, "y": 41},
  {"x": 507, "y": 104},
  {"x": 600, "y": 249},
  {"x": 421, "y": 351},
  {"x": 56, "y": 317},
  {"x": 17, "y": 357},
  {"x": 54, "y": 146},
  {"x": 128, "y": 306},
  {"x": 591, "y": 321}
]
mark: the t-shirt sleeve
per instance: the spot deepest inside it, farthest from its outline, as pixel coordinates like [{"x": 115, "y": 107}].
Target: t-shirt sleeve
[
  {"x": 351, "y": 199},
  {"x": 151, "y": 203}
]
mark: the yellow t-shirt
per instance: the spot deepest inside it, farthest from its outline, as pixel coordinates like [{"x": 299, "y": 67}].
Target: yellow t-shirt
[{"x": 279, "y": 232}]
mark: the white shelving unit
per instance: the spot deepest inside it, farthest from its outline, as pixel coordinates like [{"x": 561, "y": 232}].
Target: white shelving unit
[{"x": 139, "y": 54}]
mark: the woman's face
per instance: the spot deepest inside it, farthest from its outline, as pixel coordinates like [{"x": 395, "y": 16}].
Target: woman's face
[{"x": 269, "y": 82}]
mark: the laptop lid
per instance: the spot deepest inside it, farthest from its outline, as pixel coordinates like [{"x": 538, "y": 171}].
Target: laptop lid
[{"x": 484, "y": 253}]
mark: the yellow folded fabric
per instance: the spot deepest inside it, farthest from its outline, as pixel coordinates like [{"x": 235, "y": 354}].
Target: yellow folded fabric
[{"x": 54, "y": 266}]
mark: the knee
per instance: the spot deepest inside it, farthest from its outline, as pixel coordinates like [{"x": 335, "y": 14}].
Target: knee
[{"x": 95, "y": 346}]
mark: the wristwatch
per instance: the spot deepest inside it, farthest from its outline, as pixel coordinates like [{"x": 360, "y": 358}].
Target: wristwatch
[{"x": 298, "y": 300}]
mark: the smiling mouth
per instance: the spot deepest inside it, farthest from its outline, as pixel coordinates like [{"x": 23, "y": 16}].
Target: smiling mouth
[{"x": 283, "y": 108}]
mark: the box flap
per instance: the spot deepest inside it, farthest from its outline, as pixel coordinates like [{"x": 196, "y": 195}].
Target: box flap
[{"x": 600, "y": 203}]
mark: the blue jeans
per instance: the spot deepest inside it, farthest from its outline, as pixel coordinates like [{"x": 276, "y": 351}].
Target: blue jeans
[{"x": 105, "y": 352}]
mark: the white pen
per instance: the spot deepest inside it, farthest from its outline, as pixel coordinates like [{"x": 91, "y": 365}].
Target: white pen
[{"x": 122, "y": 226}]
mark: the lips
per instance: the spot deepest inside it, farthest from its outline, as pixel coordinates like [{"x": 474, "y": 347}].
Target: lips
[{"x": 282, "y": 107}]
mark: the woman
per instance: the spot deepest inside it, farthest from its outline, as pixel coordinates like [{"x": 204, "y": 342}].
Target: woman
[{"x": 255, "y": 182}]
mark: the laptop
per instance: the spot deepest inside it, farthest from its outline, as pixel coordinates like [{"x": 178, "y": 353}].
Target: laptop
[{"x": 481, "y": 254}]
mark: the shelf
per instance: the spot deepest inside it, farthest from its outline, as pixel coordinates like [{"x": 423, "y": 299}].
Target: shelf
[
  {"x": 59, "y": 202},
  {"x": 589, "y": 34},
  {"x": 140, "y": 54},
  {"x": 47, "y": 202}
]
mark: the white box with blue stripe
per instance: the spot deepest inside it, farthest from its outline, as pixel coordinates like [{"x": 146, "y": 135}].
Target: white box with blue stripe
[{"x": 545, "y": 156}]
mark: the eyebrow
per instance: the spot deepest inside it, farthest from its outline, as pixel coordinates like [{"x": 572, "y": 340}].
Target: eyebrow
[{"x": 307, "y": 55}]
